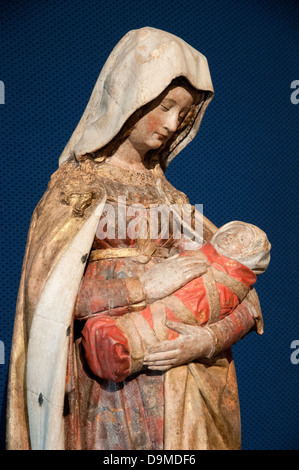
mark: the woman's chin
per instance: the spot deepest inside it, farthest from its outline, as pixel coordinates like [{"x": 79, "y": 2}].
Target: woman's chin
[{"x": 156, "y": 143}]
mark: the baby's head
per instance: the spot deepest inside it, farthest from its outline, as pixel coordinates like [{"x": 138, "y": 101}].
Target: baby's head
[{"x": 245, "y": 243}]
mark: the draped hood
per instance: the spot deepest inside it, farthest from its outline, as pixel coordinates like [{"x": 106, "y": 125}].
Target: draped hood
[{"x": 138, "y": 70}]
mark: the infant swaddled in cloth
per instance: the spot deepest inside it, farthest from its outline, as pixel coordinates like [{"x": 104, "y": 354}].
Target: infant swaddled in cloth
[{"x": 115, "y": 346}]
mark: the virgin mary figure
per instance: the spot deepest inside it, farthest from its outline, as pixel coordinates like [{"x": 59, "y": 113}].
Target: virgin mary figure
[{"x": 82, "y": 259}]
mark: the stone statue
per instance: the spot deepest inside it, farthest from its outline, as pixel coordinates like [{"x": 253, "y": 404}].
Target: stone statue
[
  {"x": 88, "y": 259},
  {"x": 117, "y": 346}
]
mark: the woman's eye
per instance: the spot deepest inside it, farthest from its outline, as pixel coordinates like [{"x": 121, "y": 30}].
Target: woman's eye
[{"x": 165, "y": 108}]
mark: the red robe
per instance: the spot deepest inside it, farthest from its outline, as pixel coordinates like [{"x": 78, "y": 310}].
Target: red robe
[{"x": 106, "y": 346}]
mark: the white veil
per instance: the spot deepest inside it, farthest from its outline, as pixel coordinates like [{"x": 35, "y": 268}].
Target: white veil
[{"x": 139, "y": 68}]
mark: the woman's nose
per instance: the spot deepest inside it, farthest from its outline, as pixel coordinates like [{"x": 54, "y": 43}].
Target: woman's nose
[{"x": 171, "y": 122}]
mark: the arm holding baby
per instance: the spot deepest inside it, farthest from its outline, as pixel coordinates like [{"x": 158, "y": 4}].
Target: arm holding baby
[{"x": 197, "y": 321}]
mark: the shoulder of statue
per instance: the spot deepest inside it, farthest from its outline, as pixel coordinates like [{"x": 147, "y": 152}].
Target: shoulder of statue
[
  {"x": 173, "y": 195},
  {"x": 77, "y": 184}
]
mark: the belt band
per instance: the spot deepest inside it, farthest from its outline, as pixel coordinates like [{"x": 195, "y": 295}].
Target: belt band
[
  {"x": 113, "y": 253},
  {"x": 110, "y": 253}
]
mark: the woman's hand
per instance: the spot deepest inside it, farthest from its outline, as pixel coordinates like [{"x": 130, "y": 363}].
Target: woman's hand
[
  {"x": 193, "y": 343},
  {"x": 165, "y": 278}
]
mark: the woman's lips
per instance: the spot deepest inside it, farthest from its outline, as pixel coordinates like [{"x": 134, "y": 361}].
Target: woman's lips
[{"x": 161, "y": 136}]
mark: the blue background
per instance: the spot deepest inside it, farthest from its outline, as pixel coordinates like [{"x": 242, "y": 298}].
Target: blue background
[{"x": 243, "y": 164}]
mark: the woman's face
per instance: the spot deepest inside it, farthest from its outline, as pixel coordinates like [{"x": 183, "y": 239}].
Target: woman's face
[{"x": 162, "y": 120}]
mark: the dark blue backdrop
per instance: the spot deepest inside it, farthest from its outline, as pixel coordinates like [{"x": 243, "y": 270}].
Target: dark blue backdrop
[{"x": 242, "y": 165}]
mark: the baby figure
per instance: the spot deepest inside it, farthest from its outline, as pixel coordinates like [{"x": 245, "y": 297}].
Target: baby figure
[{"x": 115, "y": 346}]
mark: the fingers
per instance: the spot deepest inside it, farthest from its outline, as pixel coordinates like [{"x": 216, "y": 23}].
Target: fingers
[
  {"x": 161, "y": 361},
  {"x": 194, "y": 270},
  {"x": 192, "y": 273},
  {"x": 161, "y": 357},
  {"x": 194, "y": 267},
  {"x": 160, "y": 368},
  {"x": 180, "y": 327},
  {"x": 164, "y": 347}
]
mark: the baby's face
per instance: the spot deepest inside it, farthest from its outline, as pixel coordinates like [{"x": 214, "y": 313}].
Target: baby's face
[{"x": 233, "y": 241}]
